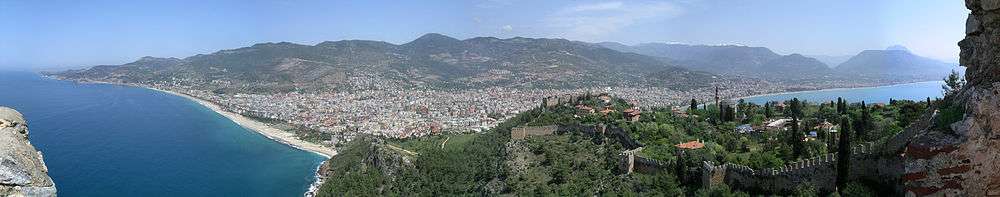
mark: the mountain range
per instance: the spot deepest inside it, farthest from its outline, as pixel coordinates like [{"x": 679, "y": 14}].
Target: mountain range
[
  {"x": 831, "y": 60},
  {"x": 431, "y": 61},
  {"x": 893, "y": 63},
  {"x": 440, "y": 62},
  {"x": 758, "y": 62}
]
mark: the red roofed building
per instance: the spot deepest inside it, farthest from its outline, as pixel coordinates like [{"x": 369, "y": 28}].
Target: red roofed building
[
  {"x": 690, "y": 145},
  {"x": 585, "y": 109},
  {"x": 607, "y": 110},
  {"x": 632, "y": 114}
]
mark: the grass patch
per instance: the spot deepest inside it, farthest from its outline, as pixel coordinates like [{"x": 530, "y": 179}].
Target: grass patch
[{"x": 423, "y": 144}]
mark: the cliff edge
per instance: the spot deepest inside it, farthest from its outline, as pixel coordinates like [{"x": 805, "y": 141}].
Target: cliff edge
[
  {"x": 962, "y": 158},
  {"x": 22, "y": 171}
]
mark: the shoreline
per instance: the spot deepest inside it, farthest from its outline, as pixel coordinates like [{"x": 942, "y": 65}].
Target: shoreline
[
  {"x": 830, "y": 89},
  {"x": 269, "y": 132},
  {"x": 272, "y": 133}
]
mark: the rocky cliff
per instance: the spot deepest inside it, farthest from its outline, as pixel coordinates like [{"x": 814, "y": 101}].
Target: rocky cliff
[
  {"x": 22, "y": 171},
  {"x": 965, "y": 159}
]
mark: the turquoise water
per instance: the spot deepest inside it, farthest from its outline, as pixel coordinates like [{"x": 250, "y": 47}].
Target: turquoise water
[
  {"x": 910, "y": 91},
  {"x": 110, "y": 140}
]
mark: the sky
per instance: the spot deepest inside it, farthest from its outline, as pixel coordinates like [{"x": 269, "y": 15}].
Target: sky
[{"x": 69, "y": 34}]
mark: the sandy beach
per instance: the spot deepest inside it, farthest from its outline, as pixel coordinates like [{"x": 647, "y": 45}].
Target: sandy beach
[
  {"x": 275, "y": 134},
  {"x": 262, "y": 128}
]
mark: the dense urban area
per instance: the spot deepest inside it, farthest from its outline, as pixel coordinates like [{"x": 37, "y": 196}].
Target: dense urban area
[{"x": 335, "y": 117}]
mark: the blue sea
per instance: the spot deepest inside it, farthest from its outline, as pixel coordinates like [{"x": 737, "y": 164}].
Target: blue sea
[
  {"x": 911, "y": 91},
  {"x": 111, "y": 140}
]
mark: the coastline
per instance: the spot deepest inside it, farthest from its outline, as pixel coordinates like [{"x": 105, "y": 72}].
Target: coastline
[
  {"x": 272, "y": 133},
  {"x": 830, "y": 89}
]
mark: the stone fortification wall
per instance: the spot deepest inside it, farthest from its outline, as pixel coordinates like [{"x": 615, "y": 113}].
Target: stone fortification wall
[
  {"x": 867, "y": 163},
  {"x": 964, "y": 160}
]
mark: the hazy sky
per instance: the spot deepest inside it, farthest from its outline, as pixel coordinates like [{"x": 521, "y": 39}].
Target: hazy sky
[{"x": 73, "y": 33}]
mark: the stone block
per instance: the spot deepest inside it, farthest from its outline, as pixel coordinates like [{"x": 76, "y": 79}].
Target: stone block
[
  {"x": 990, "y": 5},
  {"x": 972, "y": 25}
]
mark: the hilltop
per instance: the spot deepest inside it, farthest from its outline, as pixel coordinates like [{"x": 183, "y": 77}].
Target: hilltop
[{"x": 895, "y": 62}]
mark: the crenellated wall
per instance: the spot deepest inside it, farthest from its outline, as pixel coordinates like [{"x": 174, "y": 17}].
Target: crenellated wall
[{"x": 868, "y": 162}]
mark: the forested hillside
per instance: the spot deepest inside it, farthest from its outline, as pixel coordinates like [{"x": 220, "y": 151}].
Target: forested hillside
[{"x": 586, "y": 152}]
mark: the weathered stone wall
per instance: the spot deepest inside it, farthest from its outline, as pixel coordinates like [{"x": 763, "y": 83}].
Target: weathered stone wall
[
  {"x": 966, "y": 160},
  {"x": 867, "y": 163},
  {"x": 632, "y": 163},
  {"x": 22, "y": 171}
]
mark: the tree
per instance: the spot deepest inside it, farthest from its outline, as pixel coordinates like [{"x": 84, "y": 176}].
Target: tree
[
  {"x": 768, "y": 112},
  {"x": 840, "y": 105},
  {"x": 694, "y": 105},
  {"x": 844, "y": 152},
  {"x": 865, "y": 122},
  {"x": 795, "y": 139},
  {"x": 741, "y": 106},
  {"x": 681, "y": 167},
  {"x": 795, "y": 108},
  {"x": 952, "y": 83}
]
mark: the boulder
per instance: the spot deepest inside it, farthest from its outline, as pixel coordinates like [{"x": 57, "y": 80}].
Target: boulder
[{"x": 22, "y": 170}]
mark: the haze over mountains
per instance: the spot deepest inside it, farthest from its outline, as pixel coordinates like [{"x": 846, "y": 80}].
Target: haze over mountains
[
  {"x": 895, "y": 63},
  {"x": 831, "y": 60},
  {"x": 758, "y": 62},
  {"x": 439, "y": 61}
]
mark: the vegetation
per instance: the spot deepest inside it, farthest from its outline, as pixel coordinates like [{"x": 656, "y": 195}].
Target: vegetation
[
  {"x": 949, "y": 110},
  {"x": 952, "y": 83},
  {"x": 573, "y": 162},
  {"x": 844, "y": 151}
]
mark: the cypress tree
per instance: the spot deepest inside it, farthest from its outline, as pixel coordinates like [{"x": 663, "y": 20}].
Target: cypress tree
[
  {"x": 795, "y": 138},
  {"x": 694, "y": 105},
  {"x": 768, "y": 112},
  {"x": 844, "y": 152},
  {"x": 796, "y": 107},
  {"x": 865, "y": 123},
  {"x": 839, "y": 110},
  {"x": 682, "y": 166},
  {"x": 843, "y": 107}
]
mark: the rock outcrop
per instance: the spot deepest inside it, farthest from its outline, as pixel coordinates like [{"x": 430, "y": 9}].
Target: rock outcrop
[
  {"x": 22, "y": 171},
  {"x": 965, "y": 161}
]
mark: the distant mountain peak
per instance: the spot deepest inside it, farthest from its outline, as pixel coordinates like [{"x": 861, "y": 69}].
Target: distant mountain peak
[
  {"x": 895, "y": 61},
  {"x": 897, "y": 48},
  {"x": 156, "y": 59},
  {"x": 433, "y": 38}
]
